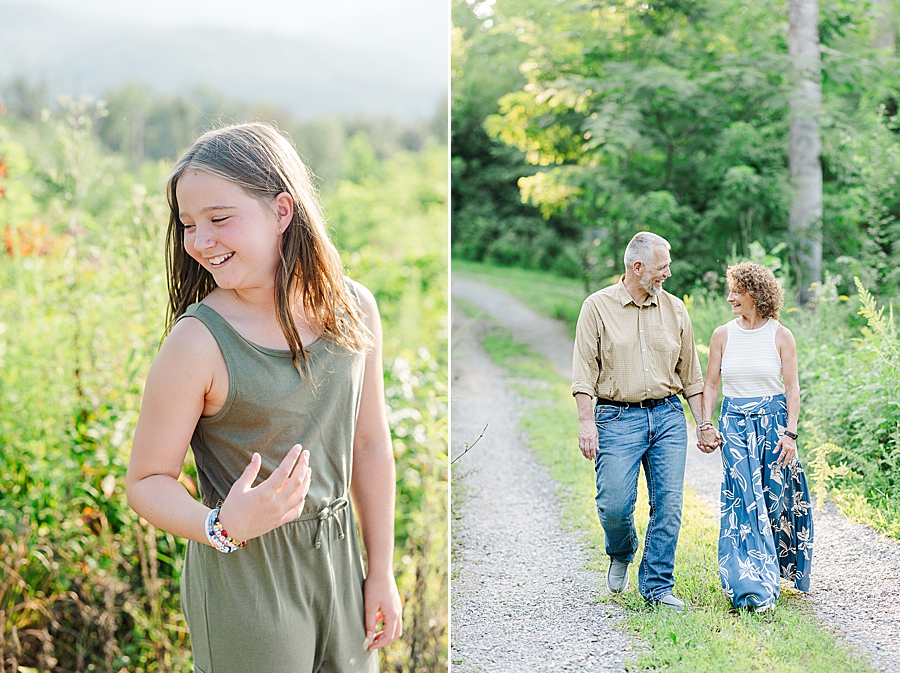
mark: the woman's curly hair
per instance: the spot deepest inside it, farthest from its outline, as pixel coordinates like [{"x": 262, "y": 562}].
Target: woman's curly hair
[{"x": 759, "y": 282}]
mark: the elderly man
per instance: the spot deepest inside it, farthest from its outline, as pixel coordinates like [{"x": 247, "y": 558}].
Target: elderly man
[{"x": 634, "y": 354}]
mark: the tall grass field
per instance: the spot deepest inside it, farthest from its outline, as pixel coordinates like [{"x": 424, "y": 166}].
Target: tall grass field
[{"x": 85, "y": 584}]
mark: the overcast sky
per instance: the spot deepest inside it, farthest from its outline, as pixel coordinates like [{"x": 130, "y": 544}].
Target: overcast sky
[
  {"x": 376, "y": 56},
  {"x": 294, "y": 17}
]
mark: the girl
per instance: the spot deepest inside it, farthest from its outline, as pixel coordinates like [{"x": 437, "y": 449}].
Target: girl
[
  {"x": 766, "y": 527},
  {"x": 271, "y": 371}
]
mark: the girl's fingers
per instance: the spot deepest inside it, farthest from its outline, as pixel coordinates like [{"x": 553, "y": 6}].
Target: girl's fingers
[
  {"x": 283, "y": 472},
  {"x": 305, "y": 482},
  {"x": 301, "y": 472},
  {"x": 295, "y": 497},
  {"x": 298, "y": 484},
  {"x": 293, "y": 513},
  {"x": 276, "y": 500},
  {"x": 245, "y": 481},
  {"x": 388, "y": 634},
  {"x": 397, "y": 631}
]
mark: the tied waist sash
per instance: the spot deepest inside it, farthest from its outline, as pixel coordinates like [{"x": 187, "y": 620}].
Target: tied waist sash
[{"x": 752, "y": 407}]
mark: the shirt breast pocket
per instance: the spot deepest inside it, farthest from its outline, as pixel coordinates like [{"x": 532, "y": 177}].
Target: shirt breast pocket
[{"x": 665, "y": 345}]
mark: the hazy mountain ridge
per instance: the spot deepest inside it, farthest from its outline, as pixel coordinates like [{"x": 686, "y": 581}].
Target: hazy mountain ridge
[{"x": 306, "y": 75}]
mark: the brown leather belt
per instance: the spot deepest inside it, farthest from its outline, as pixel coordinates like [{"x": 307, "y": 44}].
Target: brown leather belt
[{"x": 643, "y": 404}]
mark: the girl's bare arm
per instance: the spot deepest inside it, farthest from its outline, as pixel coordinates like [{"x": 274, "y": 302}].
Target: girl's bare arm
[
  {"x": 178, "y": 383},
  {"x": 372, "y": 489}
]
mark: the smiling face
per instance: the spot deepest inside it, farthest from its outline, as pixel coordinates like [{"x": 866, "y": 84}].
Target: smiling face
[
  {"x": 742, "y": 303},
  {"x": 228, "y": 232},
  {"x": 655, "y": 272}
]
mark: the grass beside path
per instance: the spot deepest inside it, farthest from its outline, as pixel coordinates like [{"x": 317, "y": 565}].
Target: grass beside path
[
  {"x": 710, "y": 636},
  {"x": 548, "y": 295}
]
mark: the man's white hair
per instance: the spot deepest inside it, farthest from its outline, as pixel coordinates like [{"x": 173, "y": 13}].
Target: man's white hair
[{"x": 642, "y": 247}]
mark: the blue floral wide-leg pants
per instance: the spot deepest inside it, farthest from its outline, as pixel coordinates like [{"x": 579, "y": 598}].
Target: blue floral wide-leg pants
[{"x": 766, "y": 528}]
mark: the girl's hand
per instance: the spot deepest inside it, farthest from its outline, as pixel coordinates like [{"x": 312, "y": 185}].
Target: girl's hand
[
  {"x": 250, "y": 511},
  {"x": 786, "y": 450},
  {"x": 382, "y": 603}
]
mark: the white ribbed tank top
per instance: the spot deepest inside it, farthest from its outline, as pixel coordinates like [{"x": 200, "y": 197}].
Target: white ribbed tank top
[{"x": 751, "y": 365}]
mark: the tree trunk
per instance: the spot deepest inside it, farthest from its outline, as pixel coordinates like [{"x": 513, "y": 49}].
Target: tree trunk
[
  {"x": 805, "y": 145},
  {"x": 886, "y": 31}
]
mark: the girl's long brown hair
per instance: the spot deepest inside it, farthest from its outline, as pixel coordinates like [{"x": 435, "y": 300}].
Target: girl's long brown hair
[{"x": 264, "y": 163}]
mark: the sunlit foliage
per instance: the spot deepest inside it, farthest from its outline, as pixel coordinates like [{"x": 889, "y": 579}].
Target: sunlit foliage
[{"x": 84, "y": 583}]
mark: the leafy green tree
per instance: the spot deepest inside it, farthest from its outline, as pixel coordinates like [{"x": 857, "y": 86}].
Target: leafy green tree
[
  {"x": 489, "y": 219},
  {"x": 671, "y": 116}
]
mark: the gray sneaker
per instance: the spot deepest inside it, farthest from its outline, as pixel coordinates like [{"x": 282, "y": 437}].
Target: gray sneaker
[
  {"x": 617, "y": 576},
  {"x": 669, "y": 601}
]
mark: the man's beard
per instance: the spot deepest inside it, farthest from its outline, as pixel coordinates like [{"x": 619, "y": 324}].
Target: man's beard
[{"x": 649, "y": 286}]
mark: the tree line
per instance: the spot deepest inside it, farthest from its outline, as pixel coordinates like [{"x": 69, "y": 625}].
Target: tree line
[
  {"x": 143, "y": 125},
  {"x": 577, "y": 123}
]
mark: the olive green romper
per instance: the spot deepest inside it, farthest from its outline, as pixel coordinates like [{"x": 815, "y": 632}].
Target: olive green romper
[{"x": 291, "y": 601}]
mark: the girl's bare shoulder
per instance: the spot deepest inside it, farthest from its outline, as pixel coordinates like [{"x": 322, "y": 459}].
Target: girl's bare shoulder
[
  {"x": 366, "y": 298},
  {"x": 189, "y": 354}
]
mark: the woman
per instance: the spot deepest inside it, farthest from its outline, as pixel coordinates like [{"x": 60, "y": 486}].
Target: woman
[{"x": 766, "y": 527}]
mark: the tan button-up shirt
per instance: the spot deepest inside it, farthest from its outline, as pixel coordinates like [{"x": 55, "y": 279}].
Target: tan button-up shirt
[{"x": 628, "y": 353}]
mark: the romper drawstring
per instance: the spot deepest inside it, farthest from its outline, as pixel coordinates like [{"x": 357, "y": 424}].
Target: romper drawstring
[
  {"x": 325, "y": 512},
  {"x": 329, "y": 512}
]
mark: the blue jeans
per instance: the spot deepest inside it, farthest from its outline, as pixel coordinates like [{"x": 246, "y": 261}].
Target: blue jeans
[{"x": 657, "y": 439}]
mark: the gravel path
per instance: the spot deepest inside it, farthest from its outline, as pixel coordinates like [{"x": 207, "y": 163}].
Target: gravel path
[
  {"x": 856, "y": 570},
  {"x": 521, "y": 600}
]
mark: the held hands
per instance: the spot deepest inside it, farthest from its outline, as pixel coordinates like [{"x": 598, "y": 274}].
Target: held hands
[
  {"x": 708, "y": 439},
  {"x": 250, "y": 511}
]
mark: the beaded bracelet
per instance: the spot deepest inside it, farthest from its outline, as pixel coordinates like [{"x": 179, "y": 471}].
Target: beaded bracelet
[{"x": 217, "y": 535}]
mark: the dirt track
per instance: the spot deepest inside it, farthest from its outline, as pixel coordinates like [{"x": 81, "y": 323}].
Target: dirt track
[
  {"x": 521, "y": 600},
  {"x": 856, "y": 570}
]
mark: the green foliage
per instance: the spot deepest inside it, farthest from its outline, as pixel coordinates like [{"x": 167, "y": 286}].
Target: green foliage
[
  {"x": 81, "y": 315},
  {"x": 852, "y": 407},
  {"x": 671, "y": 117},
  {"x": 391, "y": 227},
  {"x": 489, "y": 220},
  {"x": 85, "y": 584}
]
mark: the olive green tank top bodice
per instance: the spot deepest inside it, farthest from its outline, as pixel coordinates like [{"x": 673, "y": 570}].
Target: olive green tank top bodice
[{"x": 270, "y": 407}]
